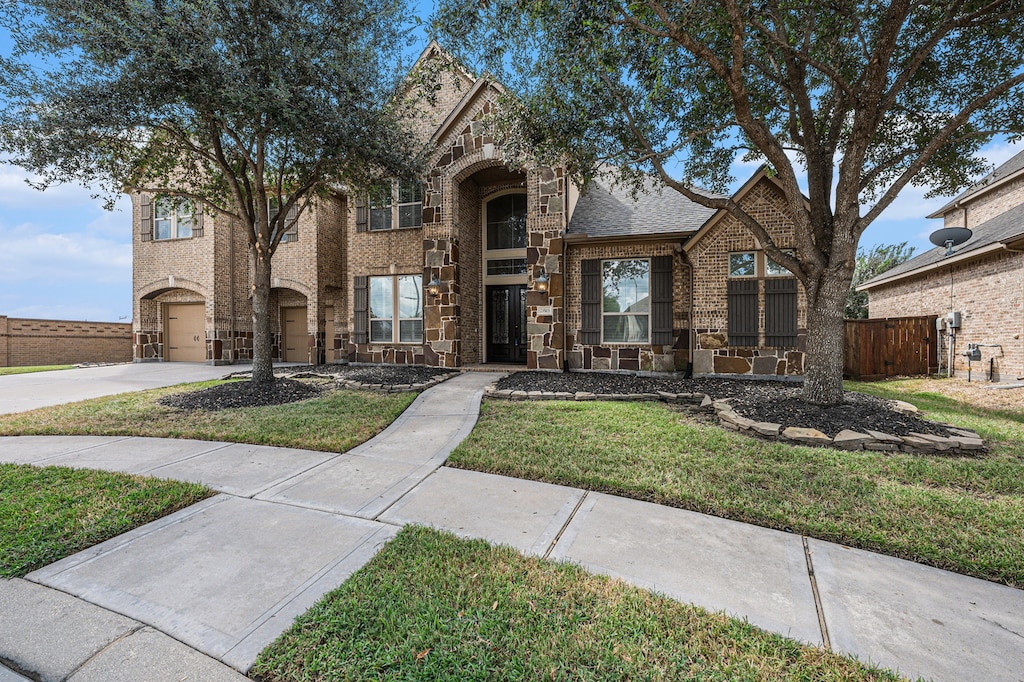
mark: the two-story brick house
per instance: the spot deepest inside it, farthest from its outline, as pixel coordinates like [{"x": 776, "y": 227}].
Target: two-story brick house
[
  {"x": 482, "y": 263},
  {"x": 981, "y": 279}
]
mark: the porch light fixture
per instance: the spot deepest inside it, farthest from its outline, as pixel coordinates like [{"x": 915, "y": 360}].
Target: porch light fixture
[
  {"x": 541, "y": 283},
  {"x": 434, "y": 287}
]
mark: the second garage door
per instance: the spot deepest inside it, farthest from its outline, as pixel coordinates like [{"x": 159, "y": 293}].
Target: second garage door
[
  {"x": 296, "y": 336},
  {"x": 185, "y": 330}
]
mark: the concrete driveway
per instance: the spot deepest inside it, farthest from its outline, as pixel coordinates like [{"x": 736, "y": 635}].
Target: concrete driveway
[{"x": 21, "y": 392}]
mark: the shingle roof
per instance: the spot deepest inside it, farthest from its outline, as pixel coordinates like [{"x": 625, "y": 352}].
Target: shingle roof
[
  {"x": 607, "y": 210},
  {"x": 1014, "y": 165},
  {"x": 1005, "y": 227}
]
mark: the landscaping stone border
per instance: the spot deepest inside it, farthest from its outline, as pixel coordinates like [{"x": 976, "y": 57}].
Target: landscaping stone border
[{"x": 960, "y": 442}]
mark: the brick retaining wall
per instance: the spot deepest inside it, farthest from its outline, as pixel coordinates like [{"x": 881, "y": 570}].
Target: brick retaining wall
[{"x": 27, "y": 342}]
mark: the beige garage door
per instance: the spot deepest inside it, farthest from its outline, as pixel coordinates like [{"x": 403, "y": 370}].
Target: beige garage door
[
  {"x": 185, "y": 328},
  {"x": 296, "y": 335},
  {"x": 329, "y": 333}
]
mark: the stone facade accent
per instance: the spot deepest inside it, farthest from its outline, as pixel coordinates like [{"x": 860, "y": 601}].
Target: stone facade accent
[{"x": 29, "y": 342}]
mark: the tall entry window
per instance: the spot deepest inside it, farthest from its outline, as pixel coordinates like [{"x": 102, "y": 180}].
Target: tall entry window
[{"x": 506, "y": 222}]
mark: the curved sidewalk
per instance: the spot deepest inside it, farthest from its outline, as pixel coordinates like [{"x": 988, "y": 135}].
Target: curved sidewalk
[{"x": 227, "y": 575}]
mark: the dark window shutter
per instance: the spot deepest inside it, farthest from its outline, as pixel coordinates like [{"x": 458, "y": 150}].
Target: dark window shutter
[
  {"x": 361, "y": 308},
  {"x": 661, "y": 301},
  {"x": 146, "y": 217},
  {"x": 742, "y": 312},
  {"x": 362, "y": 215},
  {"x": 780, "y": 312},
  {"x": 590, "y": 280}
]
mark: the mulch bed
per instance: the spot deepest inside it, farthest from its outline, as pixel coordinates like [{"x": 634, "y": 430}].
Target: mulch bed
[
  {"x": 244, "y": 394},
  {"x": 776, "y": 402},
  {"x": 375, "y": 374}
]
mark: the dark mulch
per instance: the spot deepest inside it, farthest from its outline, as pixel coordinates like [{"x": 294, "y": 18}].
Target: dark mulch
[
  {"x": 378, "y": 374},
  {"x": 244, "y": 394},
  {"x": 777, "y": 402}
]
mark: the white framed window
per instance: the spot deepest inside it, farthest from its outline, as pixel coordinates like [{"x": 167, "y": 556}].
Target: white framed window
[
  {"x": 773, "y": 269},
  {"x": 743, "y": 264},
  {"x": 396, "y": 309},
  {"x": 626, "y": 306},
  {"x": 395, "y": 202},
  {"x": 172, "y": 218}
]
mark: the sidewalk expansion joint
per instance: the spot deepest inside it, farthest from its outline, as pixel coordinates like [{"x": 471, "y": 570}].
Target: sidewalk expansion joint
[
  {"x": 817, "y": 597},
  {"x": 565, "y": 525}
]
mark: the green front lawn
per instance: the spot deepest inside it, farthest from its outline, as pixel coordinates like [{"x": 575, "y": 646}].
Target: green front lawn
[
  {"x": 29, "y": 370},
  {"x": 430, "y": 606},
  {"x": 333, "y": 422},
  {"x": 50, "y": 513},
  {"x": 958, "y": 513}
]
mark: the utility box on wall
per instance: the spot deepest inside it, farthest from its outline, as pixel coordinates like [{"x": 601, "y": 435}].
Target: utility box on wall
[{"x": 953, "y": 320}]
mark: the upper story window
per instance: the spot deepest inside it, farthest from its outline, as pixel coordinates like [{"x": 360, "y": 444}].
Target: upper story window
[
  {"x": 743, "y": 264},
  {"x": 506, "y": 222},
  {"x": 391, "y": 203},
  {"x": 291, "y": 221},
  {"x": 172, "y": 218},
  {"x": 626, "y": 307}
]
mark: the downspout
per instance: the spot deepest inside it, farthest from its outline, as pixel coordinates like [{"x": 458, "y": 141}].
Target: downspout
[{"x": 689, "y": 313}]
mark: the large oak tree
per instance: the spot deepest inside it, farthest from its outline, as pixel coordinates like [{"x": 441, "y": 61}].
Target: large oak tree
[
  {"x": 859, "y": 98},
  {"x": 239, "y": 106}
]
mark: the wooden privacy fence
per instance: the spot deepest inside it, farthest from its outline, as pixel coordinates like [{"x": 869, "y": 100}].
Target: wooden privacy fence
[{"x": 891, "y": 346}]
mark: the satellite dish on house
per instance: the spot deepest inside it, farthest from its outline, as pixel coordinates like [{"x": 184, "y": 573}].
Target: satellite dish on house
[{"x": 950, "y": 237}]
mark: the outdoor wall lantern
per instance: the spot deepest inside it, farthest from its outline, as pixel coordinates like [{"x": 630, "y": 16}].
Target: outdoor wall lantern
[
  {"x": 541, "y": 283},
  {"x": 434, "y": 287}
]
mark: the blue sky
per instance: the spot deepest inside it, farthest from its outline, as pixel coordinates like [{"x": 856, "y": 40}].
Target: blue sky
[{"x": 64, "y": 257}]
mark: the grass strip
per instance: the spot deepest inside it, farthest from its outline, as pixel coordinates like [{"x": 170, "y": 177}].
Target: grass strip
[
  {"x": 964, "y": 514},
  {"x": 4, "y": 371},
  {"x": 334, "y": 422},
  {"x": 49, "y": 513},
  {"x": 431, "y": 606}
]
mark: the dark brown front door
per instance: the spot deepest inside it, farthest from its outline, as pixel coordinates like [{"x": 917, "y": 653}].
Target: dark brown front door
[{"x": 506, "y": 323}]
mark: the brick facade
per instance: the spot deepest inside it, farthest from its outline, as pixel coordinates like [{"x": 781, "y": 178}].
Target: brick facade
[
  {"x": 989, "y": 294},
  {"x": 29, "y": 342},
  {"x": 335, "y": 255}
]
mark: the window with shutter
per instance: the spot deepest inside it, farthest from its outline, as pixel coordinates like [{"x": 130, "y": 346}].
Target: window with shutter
[
  {"x": 742, "y": 298},
  {"x": 780, "y": 312},
  {"x": 626, "y": 301},
  {"x": 361, "y": 309},
  {"x": 590, "y": 281},
  {"x": 661, "y": 301}
]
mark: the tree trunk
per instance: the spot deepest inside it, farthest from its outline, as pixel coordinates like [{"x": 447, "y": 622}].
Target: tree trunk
[
  {"x": 262, "y": 362},
  {"x": 823, "y": 367}
]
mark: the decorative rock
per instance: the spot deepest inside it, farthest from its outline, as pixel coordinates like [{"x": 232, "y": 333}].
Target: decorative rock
[
  {"x": 721, "y": 405},
  {"x": 881, "y": 447},
  {"x": 851, "y": 440},
  {"x": 518, "y": 395},
  {"x": 564, "y": 395},
  {"x": 966, "y": 433},
  {"x": 903, "y": 407},
  {"x": 767, "y": 429},
  {"x": 666, "y": 396},
  {"x": 969, "y": 443},
  {"x": 706, "y": 401},
  {"x": 585, "y": 395},
  {"x": 884, "y": 437},
  {"x": 941, "y": 444},
  {"x": 809, "y": 436},
  {"x": 911, "y": 443}
]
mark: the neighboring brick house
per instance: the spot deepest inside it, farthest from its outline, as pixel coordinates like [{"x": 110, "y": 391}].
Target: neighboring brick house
[
  {"x": 482, "y": 264},
  {"x": 983, "y": 278}
]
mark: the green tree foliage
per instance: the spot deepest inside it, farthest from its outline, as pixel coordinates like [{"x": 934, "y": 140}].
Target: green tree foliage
[
  {"x": 232, "y": 104},
  {"x": 870, "y": 264},
  {"x": 860, "y": 97}
]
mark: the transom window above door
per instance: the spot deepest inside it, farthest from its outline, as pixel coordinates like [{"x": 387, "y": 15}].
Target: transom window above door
[{"x": 506, "y": 222}]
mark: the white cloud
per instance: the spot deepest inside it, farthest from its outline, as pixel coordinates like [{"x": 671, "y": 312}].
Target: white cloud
[
  {"x": 15, "y": 192},
  {"x": 30, "y": 254}
]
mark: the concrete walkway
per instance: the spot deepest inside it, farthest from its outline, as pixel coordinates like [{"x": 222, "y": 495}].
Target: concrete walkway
[{"x": 201, "y": 592}]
